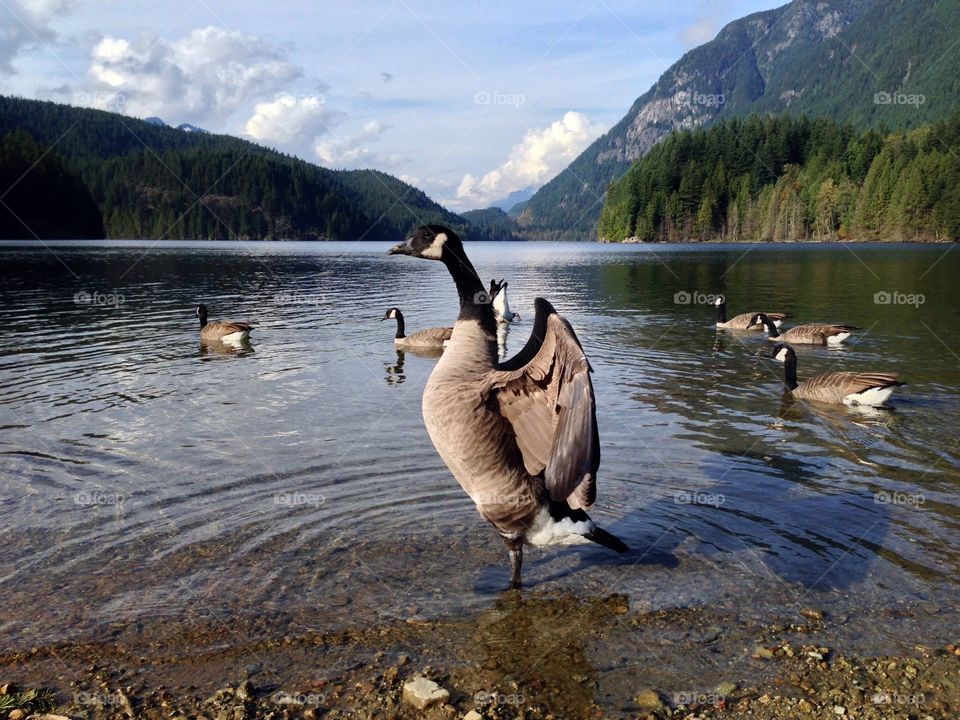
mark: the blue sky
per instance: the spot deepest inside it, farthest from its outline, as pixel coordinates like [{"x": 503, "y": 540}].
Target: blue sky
[{"x": 469, "y": 101}]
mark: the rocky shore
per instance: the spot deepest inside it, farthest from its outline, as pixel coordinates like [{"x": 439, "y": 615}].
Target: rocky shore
[{"x": 506, "y": 663}]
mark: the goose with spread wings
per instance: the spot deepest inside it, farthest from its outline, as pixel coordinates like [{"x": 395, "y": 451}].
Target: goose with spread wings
[{"x": 519, "y": 436}]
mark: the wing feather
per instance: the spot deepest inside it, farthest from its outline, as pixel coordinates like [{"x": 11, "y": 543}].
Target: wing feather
[{"x": 546, "y": 394}]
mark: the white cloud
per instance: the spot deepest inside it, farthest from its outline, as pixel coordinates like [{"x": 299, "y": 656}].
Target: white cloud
[
  {"x": 289, "y": 120},
  {"x": 206, "y": 75},
  {"x": 538, "y": 158},
  {"x": 26, "y": 24},
  {"x": 700, "y": 32},
  {"x": 353, "y": 151}
]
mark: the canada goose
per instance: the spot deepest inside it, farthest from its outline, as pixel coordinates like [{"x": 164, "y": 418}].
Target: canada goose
[
  {"x": 519, "y": 436},
  {"x": 805, "y": 334},
  {"x": 849, "y": 388},
  {"x": 225, "y": 331},
  {"x": 436, "y": 337},
  {"x": 742, "y": 321},
  {"x": 501, "y": 306}
]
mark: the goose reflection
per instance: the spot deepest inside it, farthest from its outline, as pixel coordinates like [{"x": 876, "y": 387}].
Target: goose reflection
[
  {"x": 395, "y": 374},
  {"x": 211, "y": 349}
]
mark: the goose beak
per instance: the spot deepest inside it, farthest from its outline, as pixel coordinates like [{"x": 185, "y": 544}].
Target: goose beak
[{"x": 400, "y": 249}]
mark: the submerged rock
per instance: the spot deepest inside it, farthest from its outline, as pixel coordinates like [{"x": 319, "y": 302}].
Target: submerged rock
[{"x": 423, "y": 693}]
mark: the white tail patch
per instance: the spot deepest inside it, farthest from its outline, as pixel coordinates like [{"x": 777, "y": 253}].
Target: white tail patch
[
  {"x": 838, "y": 338},
  {"x": 236, "y": 338},
  {"x": 873, "y": 397},
  {"x": 502, "y": 306},
  {"x": 547, "y": 531}
]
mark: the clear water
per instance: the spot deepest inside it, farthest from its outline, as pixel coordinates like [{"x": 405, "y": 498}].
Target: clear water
[{"x": 149, "y": 480}]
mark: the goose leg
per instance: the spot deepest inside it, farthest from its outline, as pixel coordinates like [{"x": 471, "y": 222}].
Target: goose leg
[{"x": 516, "y": 560}]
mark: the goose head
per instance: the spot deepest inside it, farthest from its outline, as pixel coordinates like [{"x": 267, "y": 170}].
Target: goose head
[
  {"x": 391, "y": 314},
  {"x": 781, "y": 352},
  {"x": 755, "y": 320},
  {"x": 720, "y": 300},
  {"x": 431, "y": 242},
  {"x": 201, "y": 312}
]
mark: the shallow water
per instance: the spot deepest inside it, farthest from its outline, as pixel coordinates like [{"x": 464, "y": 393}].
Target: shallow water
[{"x": 147, "y": 479}]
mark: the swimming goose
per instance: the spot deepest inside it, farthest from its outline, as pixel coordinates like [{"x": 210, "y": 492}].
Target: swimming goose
[
  {"x": 519, "y": 436},
  {"x": 742, "y": 321},
  {"x": 805, "y": 334},
  {"x": 849, "y": 388},
  {"x": 436, "y": 337},
  {"x": 225, "y": 331},
  {"x": 501, "y": 306}
]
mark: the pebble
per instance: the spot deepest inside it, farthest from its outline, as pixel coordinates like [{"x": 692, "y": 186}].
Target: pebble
[
  {"x": 839, "y": 710},
  {"x": 762, "y": 653},
  {"x": 17, "y": 714},
  {"x": 727, "y": 688},
  {"x": 649, "y": 700},
  {"x": 423, "y": 693},
  {"x": 473, "y": 715},
  {"x": 805, "y": 706}
]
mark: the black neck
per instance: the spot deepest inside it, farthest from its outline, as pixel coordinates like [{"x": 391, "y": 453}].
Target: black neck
[
  {"x": 400, "y": 325},
  {"x": 771, "y": 327},
  {"x": 475, "y": 301},
  {"x": 722, "y": 312},
  {"x": 790, "y": 371},
  {"x": 203, "y": 318}
]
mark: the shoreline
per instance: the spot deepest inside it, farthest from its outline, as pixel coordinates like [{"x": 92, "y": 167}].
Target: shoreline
[{"x": 560, "y": 657}]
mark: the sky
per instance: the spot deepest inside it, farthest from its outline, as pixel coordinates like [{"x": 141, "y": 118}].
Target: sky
[{"x": 469, "y": 101}]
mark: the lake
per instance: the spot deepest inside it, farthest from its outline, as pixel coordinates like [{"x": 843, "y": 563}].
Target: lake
[{"x": 151, "y": 485}]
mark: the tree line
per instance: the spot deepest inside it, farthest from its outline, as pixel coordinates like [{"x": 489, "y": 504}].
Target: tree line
[{"x": 788, "y": 179}]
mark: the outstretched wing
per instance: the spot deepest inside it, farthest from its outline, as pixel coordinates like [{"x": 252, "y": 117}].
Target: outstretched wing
[{"x": 546, "y": 395}]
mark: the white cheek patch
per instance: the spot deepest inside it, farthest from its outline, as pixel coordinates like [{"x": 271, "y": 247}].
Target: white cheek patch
[
  {"x": 435, "y": 251},
  {"x": 393, "y": 313},
  {"x": 782, "y": 356}
]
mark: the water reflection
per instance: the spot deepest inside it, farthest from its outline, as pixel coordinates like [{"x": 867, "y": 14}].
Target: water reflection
[
  {"x": 395, "y": 374},
  {"x": 210, "y": 349}
]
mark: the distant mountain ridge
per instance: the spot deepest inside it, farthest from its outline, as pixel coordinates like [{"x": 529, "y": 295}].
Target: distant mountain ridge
[
  {"x": 869, "y": 63},
  {"x": 150, "y": 180}
]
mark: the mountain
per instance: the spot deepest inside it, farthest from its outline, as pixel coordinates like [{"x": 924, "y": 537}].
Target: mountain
[
  {"x": 145, "y": 179},
  {"x": 187, "y": 127},
  {"x": 513, "y": 199},
  {"x": 154, "y": 120},
  {"x": 491, "y": 224},
  {"x": 873, "y": 64}
]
